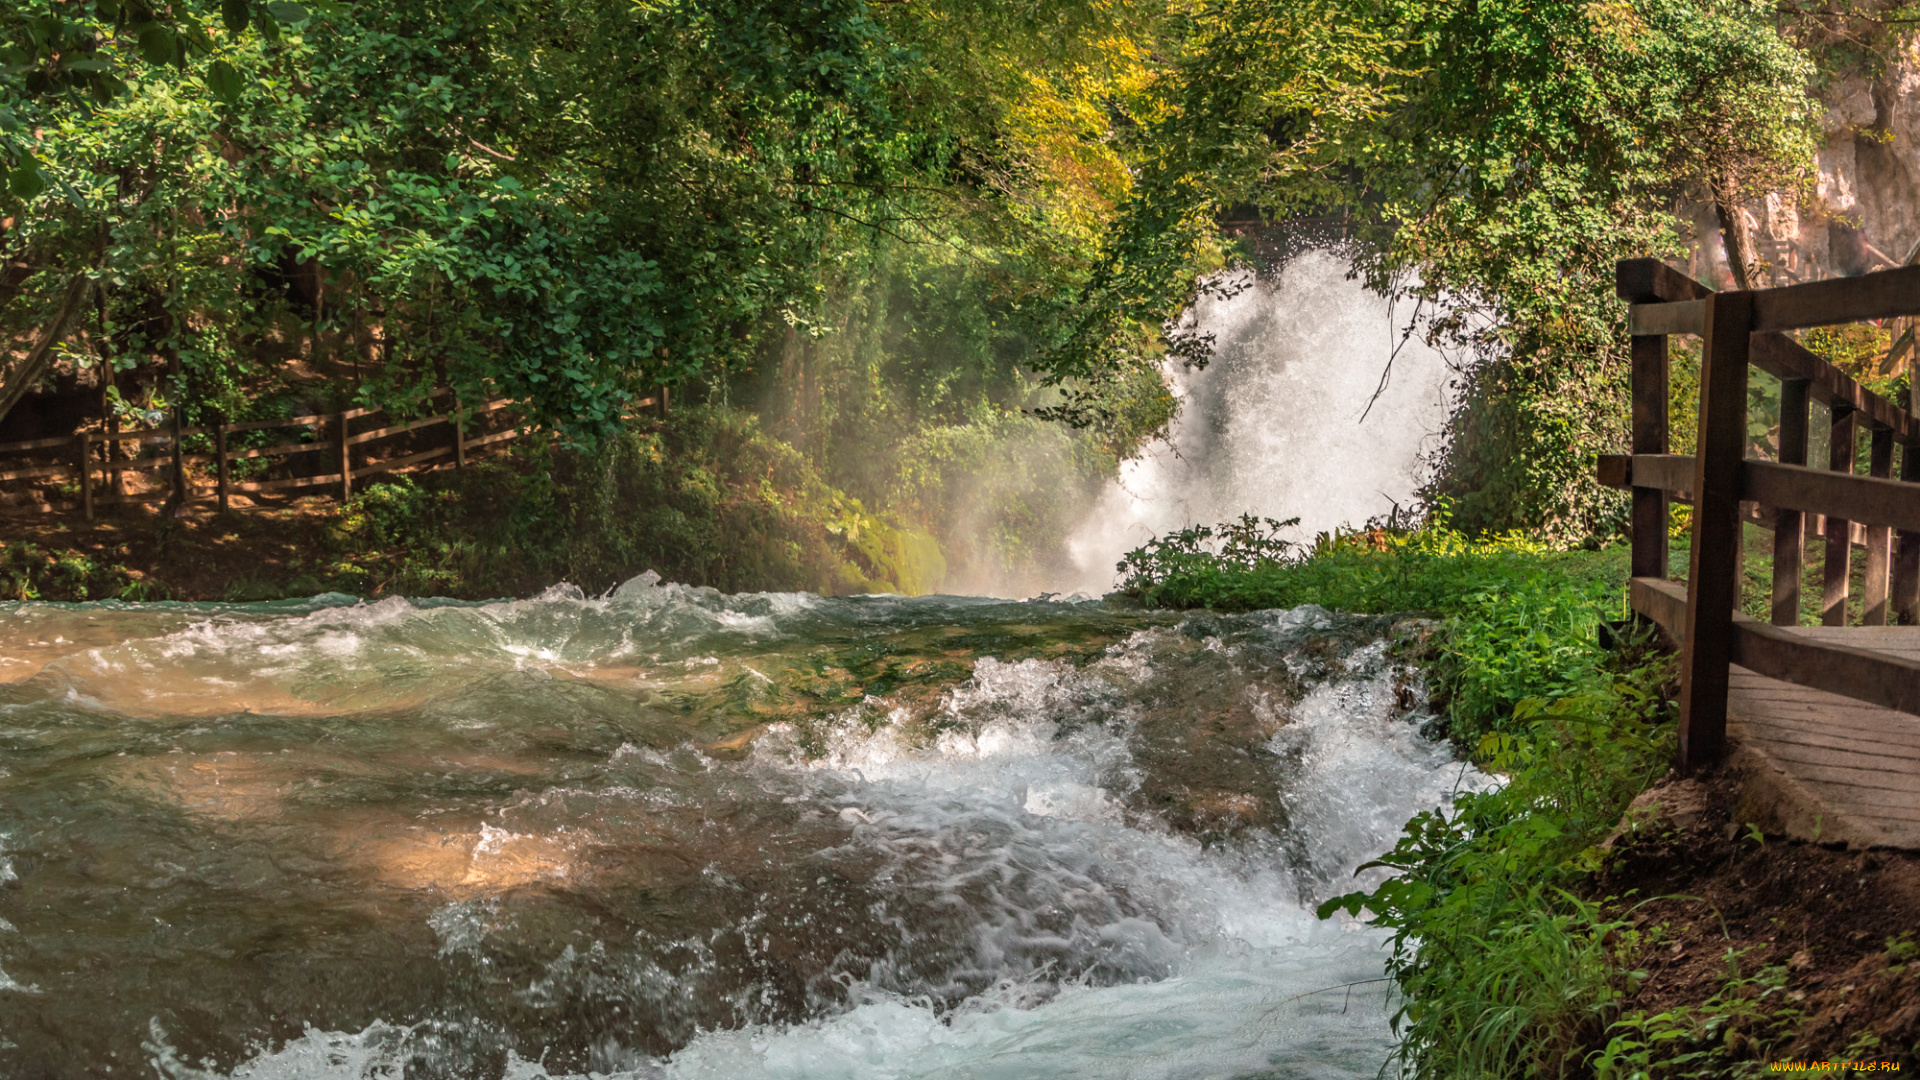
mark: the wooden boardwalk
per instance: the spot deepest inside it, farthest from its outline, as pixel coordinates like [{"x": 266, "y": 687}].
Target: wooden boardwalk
[
  {"x": 1818, "y": 765},
  {"x": 1823, "y": 723},
  {"x": 1830, "y": 768}
]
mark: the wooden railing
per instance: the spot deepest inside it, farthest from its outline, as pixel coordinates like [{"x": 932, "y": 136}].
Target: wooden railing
[
  {"x": 91, "y": 460},
  {"x": 1748, "y": 328}
]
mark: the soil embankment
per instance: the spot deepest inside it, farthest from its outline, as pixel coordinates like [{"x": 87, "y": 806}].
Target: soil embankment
[{"x": 1805, "y": 947}]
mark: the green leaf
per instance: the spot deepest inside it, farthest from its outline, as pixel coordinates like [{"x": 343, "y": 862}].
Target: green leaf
[
  {"x": 235, "y": 14},
  {"x": 288, "y": 12},
  {"x": 225, "y": 82},
  {"x": 156, "y": 43},
  {"x": 26, "y": 182}
]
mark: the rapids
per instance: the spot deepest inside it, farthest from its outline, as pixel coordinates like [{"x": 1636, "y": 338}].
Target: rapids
[{"x": 674, "y": 833}]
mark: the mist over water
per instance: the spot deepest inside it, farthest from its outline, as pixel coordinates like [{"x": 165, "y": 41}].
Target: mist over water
[{"x": 1278, "y": 424}]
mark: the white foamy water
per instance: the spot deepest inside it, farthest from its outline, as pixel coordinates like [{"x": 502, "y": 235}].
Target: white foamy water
[
  {"x": 1278, "y": 424},
  {"x": 1003, "y": 896}
]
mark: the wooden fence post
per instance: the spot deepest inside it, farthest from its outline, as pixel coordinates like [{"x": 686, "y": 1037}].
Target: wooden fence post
[
  {"x": 1837, "y": 567},
  {"x": 459, "y": 437},
  {"x": 81, "y": 451},
  {"x": 1789, "y": 526},
  {"x": 1713, "y": 581},
  {"x": 663, "y": 402},
  {"x": 110, "y": 450},
  {"x": 179, "y": 467},
  {"x": 1906, "y": 563},
  {"x": 220, "y": 455},
  {"x": 1873, "y": 591},
  {"x": 1649, "y": 436},
  {"x": 346, "y": 458}
]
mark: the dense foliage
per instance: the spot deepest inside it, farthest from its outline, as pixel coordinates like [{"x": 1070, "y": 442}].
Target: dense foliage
[
  {"x": 1496, "y": 159},
  {"x": 852, "y": 220},
  {"x": 881, "y": 226}
]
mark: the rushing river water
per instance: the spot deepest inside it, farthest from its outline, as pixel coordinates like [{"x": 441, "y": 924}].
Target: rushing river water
[{"x": 672, "y": 833}]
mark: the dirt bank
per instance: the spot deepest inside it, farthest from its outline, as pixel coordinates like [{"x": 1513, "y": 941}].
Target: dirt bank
[{"x": 1813, "y": 951}]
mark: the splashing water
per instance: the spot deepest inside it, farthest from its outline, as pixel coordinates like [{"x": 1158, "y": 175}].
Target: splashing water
[
  {"x": 1279, "y": 424},
  {"x": 672, "y": 833}
]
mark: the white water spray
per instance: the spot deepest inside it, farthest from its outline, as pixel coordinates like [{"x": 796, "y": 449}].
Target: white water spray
[{"x": 1283, "y": 423}]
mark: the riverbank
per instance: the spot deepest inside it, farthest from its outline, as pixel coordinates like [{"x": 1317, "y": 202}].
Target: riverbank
[
  {"x": 1596, "y": 915},
  {"x": 710, "y": 499}
]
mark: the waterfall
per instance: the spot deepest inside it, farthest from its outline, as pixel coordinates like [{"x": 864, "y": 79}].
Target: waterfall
[{"x": 1284, "y": 422}]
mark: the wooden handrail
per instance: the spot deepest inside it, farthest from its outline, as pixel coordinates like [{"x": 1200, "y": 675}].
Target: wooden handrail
[
  {"x": 1884, "y": 294},
  {"x": 1740, "y": 329},
  {"x": 334, "y": 436},
  {"x": 1891, "y": 682},
  {"x": 1672, "y": 474},
  {"x": 1863, "y": 500},
  {"x": 1772, "y": 352},
  {"x": 1867, "y": 500}
]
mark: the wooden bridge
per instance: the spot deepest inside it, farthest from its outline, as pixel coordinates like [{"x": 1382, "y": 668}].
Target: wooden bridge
[{"x": 1828, "y": 717}]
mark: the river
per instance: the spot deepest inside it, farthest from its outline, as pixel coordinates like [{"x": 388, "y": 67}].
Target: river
[{"x": 674, "y": 833}]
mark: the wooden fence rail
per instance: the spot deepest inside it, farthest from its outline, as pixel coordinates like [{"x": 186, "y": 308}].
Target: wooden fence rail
[
  {"x": 91, "y": 453},
  {"x": 1876, "y": 512}
]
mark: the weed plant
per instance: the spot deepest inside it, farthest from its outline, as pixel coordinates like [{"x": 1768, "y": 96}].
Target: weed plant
[{"x": 29, "y": 573}]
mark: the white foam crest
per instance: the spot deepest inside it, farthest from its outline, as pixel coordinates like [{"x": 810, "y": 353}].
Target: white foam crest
[
  {"x": 378, "y": 1052},
  {"x": 1317, "y": 1012},
  {"x": 1364, "y": 769},
  {"x": 1228, "y": 1016}
]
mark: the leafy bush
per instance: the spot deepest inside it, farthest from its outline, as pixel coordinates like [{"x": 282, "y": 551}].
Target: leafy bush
[{"x": 28, "y": 573}]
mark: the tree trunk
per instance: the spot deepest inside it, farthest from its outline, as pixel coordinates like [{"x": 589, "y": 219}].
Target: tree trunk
[
  {"x": 1734, "y": 233},
  {"x": 37, "y": 361}
]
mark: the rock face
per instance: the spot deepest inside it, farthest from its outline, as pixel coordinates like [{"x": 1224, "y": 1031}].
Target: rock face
[{"x": 1864, "y": 212}]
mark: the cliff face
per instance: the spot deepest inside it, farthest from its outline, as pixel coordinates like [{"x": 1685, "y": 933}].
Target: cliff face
[{"x": 1864, "y": 214}]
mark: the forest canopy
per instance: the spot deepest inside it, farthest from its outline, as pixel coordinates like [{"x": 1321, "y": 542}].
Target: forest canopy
[{"x": 231, "y": 205}]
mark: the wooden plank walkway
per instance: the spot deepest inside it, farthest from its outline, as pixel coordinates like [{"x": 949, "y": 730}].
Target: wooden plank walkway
[
  {"x": 1817, "y": 765},
  {"x": 1833, "y": 769},
  {"x": 1822, "y": 722}
]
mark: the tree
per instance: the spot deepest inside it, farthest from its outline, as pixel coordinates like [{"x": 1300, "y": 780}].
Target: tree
[{"x": 1499, "y": 156}]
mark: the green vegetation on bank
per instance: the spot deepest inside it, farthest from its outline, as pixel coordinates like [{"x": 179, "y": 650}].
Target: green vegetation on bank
[
  {"x": 1508, "y": 961},
  {"x": 711, "y": 496}
]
